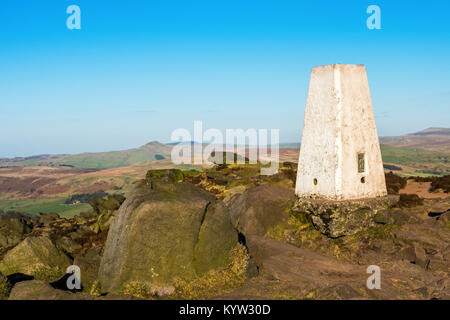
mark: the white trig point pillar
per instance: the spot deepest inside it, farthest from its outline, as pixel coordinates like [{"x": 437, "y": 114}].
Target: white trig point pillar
[
  {"x": 340, "y": 156},
  {"x": 340, "y": 161}
]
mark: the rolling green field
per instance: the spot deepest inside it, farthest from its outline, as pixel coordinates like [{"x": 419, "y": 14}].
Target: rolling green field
[
  {"x": 404, "y": 156},
  {"x": 417, "y": 162},
  {"x": 36, "y": 206}
]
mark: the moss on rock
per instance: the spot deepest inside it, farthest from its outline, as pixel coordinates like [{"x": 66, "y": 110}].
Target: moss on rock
[
  {"x": 259, "y": 209},
  {"x": 163, "y": 230},
  {"x": 216, "y": 235},
  {"x": 105, "y": 209},
  {"x": 38, "y": 257},
  {"x": 219, "y": 281}
]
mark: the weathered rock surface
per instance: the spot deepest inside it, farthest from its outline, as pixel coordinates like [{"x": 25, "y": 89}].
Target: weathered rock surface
[
  {"x": 260, "y": 208},
  {"x": 165, "y": 230},
  {"x": 341, "y": 291},
  {"x": 40, "y": 290},
  {"x": 339, "y": 218},
  {"x": 36, "y": 256},
  {"x": 410, "y": 247},
  {"x": 13, "y": 226},
  {"x": 289, "y": 272},
  {"x": 89, "y": 264}
]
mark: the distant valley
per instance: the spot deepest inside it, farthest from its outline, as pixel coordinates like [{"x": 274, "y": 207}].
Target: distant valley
[{"x": 44, "y": 183}]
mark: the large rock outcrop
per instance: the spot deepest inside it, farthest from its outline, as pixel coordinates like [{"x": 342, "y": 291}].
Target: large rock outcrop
[
  {"x": 165, "y": 230},
  {"x": 260, "y": 208},
  {"x": 36, "y": 256}
]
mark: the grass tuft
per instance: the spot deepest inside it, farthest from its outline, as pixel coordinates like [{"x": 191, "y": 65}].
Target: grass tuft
[{"x": 216, "y": 281}]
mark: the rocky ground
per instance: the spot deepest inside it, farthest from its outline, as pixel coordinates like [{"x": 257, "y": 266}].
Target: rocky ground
[{"x": 224, "y": 233}]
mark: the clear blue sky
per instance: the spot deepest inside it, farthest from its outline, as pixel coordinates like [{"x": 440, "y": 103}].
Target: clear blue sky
[{"x": 137, "y": 70}]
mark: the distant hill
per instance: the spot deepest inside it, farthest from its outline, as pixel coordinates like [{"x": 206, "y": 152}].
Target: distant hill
[
  {"x": 101, "y": 160},
  {"x": 433, "y": 131},
  {"x": 436, "y": 140},
  {"x": 432, "y": 139}
]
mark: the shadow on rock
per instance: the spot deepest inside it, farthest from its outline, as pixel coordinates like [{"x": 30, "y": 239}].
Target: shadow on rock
[
  {"x": 18, "y": 277},
  {"x": 434, "y": 214}
]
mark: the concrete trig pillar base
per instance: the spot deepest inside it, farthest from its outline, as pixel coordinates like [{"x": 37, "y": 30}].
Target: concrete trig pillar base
[{"x": 340, "y": 218}]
